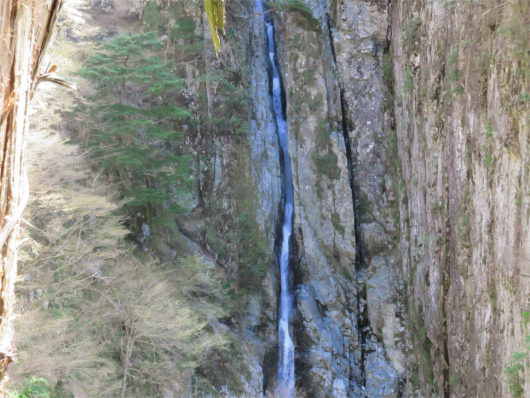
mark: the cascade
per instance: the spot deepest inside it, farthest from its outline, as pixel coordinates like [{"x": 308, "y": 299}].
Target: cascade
[{"x": 285, "y": 377}]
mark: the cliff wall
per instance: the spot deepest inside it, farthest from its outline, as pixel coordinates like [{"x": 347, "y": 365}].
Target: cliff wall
[{"x": 461, "y": 107}]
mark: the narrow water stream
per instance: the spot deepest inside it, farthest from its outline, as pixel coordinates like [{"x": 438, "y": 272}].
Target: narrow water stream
[{"x": 285, "y": 380}]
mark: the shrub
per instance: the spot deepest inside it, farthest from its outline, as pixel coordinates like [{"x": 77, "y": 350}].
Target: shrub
[
  {"x": 33, "y": 388},
  {"x": 327, "y": 164},
  {"x": 303, "y": 16}
]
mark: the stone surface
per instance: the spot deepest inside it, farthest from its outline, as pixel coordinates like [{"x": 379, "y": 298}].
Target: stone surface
[
  {"x": 325, "y": 223},
  {"x": 462, "y": 135},
  {"x": 381, "y": 378},
  {"x": 439, "y": 169}
]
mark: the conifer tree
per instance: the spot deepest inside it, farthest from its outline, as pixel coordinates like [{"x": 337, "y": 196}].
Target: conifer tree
[{"x": 136, "y": 111}]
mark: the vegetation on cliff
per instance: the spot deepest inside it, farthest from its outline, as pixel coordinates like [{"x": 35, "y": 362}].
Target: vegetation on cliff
[{"x": 130, "y": 122}]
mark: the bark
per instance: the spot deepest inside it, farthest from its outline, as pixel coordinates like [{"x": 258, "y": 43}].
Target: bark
[{"x": 25, "y": 30}]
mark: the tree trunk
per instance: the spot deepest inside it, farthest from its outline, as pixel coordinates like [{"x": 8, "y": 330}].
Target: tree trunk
[{"x": 25, "y": 30}]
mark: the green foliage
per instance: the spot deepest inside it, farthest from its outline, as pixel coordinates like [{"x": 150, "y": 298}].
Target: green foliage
[
  {"x": 335, "y": 220},
  {"x": 253, "y": 258},
  {"x": 323, "y": 131},
  {"x": 230, "y": 115},
  {"x": 488, "y": 160},
  {"x": 388, "y": 70},
  {"x": 422, "y": 346},
  {"x": 152, "y": 17},
  {"x": 33, "y": 388},
  {"x": 454, "y": 381},
  {"x": 188, "y": 43},
  {"x": 250, "y": 243},
  {"x": 453, "y": 64},
  {"x": 489, "y": 129},
  {"x": 215, "y": 10},
  {"x": 514, "y": 369},
  {"x": 393, "y": 152},
  {"x": 245, "y": 244},
  {"x": 303, "y": 15},
  {"x": 333, "y": 259},
  {"x": 514, "y": 373},
  {"x": 327, "y": 164},
  {"x": 110, "y": 309},
  {"x": 525, "y": 315},
  {"x": 135, "y": 136},
  {"x": 227, "y": 367},
  {"x": 161, "y": 17}
]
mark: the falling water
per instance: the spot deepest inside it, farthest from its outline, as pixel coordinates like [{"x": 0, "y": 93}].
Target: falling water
[{"x": 285, "y": 381}]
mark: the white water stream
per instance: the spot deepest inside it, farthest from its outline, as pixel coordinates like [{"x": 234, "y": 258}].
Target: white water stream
[{"x": 285, "y": 380}]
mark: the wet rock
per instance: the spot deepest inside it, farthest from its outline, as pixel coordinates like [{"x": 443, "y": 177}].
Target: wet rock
[
  {"x": 340, "y": 388},
  {"x": 326, "y": 351},
  {"x": 381, "y": 379}
]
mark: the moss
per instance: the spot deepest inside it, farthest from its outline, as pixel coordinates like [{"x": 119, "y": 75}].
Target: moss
[
  {"x": 412, "y": 36},
  {"x": 316, "y": 103},
  {"x": 308, "y": 75},
  {"x": 515, "y": 372},
  {"x": 489, "y": 129},
  {"x": 453, "y": 64},
  {"x": 408, "y": 82},
  {"x": 335, "y": 220},
  {"x": 334, "y": 261},
  {"x": 488, "y": 160},
  {"x": 253, "y": 258},
  {"x": 323, "y": 132},
  {"x": 303, "y": 16},
  {"x": 216, "y": 244},
  {"x": 327, "y": 164},
  {"x": 224, "y": 368},
  {"x": 388, "y": 76},
  {"x": 422, "y": 346},
  {"x": 298, "y": 98},
  {"x": 426, "y": 360}
]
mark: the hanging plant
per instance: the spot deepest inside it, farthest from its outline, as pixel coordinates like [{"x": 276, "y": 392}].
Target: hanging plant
[{"x": 215, "y": 10}]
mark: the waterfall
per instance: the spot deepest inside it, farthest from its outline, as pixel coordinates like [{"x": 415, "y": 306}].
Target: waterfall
[{"x": 285, "y": 378}]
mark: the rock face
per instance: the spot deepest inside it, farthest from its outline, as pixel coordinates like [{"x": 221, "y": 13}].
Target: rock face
[
  {"x": 462, "y": 123},
  {"x": 348, "y": 324},
  {"x": 349, "y": 336},
  {"x": 408, "y": 133}
]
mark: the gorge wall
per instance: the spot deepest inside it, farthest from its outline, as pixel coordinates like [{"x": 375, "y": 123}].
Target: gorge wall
[
  {"x": 408, "y": 134},
  {"x": 408, "y": 127},
  {"x": 461, "y": 106},
  {"x": 348, "y": 328}
]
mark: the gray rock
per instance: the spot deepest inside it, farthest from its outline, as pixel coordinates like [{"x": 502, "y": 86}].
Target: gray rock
[{"x": 381, "y": 379}]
